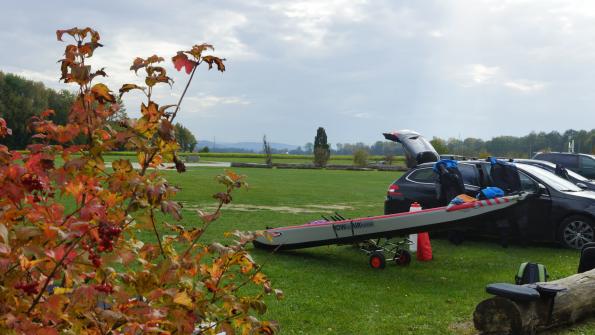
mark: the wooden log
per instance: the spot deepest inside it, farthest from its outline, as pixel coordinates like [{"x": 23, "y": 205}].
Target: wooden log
[{"x": 498, "y": 315}]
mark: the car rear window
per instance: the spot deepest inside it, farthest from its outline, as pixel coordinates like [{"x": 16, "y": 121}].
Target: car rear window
[
  {"x": 543, "y": 157},
  {"x": 587, "y": 162},
  {"x": 469, "y": 173},
  {"x": 423, "y": 175},
  {"x": 549, "y": 178},
  {"x": 568, "y": 161}
]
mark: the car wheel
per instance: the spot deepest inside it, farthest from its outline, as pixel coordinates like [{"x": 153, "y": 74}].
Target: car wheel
[{"x": 575, "y": 231}]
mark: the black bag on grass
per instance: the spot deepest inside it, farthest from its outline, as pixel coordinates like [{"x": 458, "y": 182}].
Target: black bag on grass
[
  {"x": 587, "y": 260},
  {"x": 530, "y": 273}
]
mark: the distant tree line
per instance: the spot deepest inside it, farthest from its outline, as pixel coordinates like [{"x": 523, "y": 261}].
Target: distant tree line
[
  {"x": 20, "y": 99},
  {"x": 385, "y": 148},
  {"x": 524, "y": 146},
  {"x": 500, "y": 146}
]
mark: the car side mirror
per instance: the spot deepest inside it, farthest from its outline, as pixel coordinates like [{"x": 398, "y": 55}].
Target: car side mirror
[
  {"x": 582, "y": 185},
  {"x": 542, "y": 189}
]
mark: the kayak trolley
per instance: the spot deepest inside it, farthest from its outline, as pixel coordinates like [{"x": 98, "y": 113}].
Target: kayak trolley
[{"x": 379, "y": 249}]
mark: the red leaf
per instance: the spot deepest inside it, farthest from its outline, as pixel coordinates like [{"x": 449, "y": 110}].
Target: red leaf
[
  {"x": 181, "y": 60},
  {"x": 46, "y": 331},
  {"x": 57, "y": 254},
  {"x": 47, "y": 113},
  {"x": 172, "y": 208},
  {"x": 3, "y": 129}
]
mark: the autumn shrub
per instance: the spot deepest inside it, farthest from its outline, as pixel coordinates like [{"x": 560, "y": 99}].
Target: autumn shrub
[
  {"x": 389, "y": 159},
  {"x": 360, "y": 157},
  {"x": 71, "y": 261}
]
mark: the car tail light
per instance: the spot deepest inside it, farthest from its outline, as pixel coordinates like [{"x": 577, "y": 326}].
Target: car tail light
[{"x": 393, "y": 190}]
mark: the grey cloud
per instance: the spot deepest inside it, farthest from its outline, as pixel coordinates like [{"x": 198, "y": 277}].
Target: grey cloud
[{"x": 469, "y": 68}]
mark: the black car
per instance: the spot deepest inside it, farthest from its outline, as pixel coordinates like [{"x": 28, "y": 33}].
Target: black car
[
  {"x": 577, "y": 179},
  {"x": 419, "y": 185},
  {"x": 582, "y": 164},
  {"x": 555, "y": 209}
]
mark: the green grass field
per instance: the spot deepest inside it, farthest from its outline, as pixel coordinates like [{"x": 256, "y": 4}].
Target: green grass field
[
  {"x": 259, "y": 158},
  {"x": 332, "y": 290}
]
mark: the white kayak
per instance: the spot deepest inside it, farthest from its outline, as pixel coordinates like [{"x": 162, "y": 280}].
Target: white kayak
[{"x": 383, "y": 226}]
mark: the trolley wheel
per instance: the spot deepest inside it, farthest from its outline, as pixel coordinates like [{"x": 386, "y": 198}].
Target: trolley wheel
[
  {"x": 402, "y": 257},
  {"x": 377, "y": 260}
]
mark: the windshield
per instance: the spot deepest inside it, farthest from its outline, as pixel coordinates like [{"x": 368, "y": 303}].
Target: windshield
[
  {"x": 577, "y": 176},
  {"x": 550, "y": 179},
  {"x": 570, "y": 172}
]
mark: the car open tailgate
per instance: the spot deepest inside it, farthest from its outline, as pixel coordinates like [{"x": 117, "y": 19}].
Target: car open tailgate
[{"x": 417, "y": 149}]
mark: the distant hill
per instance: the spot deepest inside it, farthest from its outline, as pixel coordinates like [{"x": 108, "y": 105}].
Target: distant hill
[{"x": 243, "y": 146}]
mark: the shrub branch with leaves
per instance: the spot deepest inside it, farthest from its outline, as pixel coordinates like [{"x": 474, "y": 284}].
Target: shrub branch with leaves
[{"x": 70, "y": 260}]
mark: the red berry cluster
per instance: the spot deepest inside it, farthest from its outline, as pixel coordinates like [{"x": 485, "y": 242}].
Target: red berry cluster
[
  {"x": 31, "y": 182},
  {"x": 29, "y": 288},
  {"x": 93, "y": 256},
  {"x": 105, "y": 288},
  {"x": 107, "y": 233}
]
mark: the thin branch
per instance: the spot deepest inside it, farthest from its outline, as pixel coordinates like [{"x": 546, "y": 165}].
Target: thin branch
[
  {"x": 51, "y": 276},
  {"x": 224, "y": 270},
  {"x": 203, "y": 230},
  {"x": 147, "y": 163},
  {"x": 173, "y": 116},
  {"x": 152, "y": 216},
  {"x": 257, "y": 271}
]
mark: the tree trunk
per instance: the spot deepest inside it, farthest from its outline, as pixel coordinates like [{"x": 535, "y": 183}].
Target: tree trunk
[{"x": 500, "y": 315}]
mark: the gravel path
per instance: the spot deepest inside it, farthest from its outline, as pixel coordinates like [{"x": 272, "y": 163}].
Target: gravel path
[{"x": 171, "y": 165}]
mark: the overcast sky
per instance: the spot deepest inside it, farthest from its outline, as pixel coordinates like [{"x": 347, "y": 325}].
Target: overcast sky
[{"x": 476, "y": 68}]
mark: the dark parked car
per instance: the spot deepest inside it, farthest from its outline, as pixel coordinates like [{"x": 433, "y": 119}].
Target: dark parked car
[
  {"x": 555, "y": 210},
  {"x": 577, "y": 179},
  {"x": 582, "y": 164}
]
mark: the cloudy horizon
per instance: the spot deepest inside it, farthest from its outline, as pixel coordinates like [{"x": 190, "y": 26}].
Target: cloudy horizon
[{"x": 357, "y": 68}]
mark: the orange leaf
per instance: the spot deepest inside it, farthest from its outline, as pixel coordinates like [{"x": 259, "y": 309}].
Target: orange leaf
[
  {"x": 128, "y": 87},
  {"x": 102, "y": 93},
  {"x": 182, "y": 298},
  {"x": 197, "y": 49},
  {"x": 218, "y": 61},
  {"x": 137, "y": 64},
  {"x": 70, "y": 32},
  {"x": 259, "y": 278}
]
